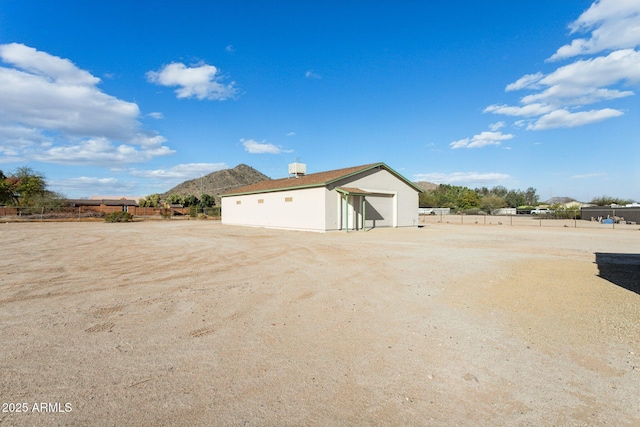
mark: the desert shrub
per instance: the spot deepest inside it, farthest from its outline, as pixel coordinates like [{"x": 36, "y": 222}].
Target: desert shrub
[
  {"x": 472, "y": 211},
  {"x": 212, "y": 211},
  {"x": 568, "y": 213},
  {"x": 118, "y": 217}
]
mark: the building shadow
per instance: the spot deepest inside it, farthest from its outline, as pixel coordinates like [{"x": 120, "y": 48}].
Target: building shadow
[
  {"x": 371, "y": 214},
  {"x": 620, "y": 269}
]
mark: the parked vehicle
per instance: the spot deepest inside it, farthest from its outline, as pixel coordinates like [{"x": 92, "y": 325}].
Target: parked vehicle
[{"x": 542, "y": 211}]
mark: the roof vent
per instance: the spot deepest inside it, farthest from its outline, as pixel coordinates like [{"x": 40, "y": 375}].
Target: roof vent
[{"x": 297, "y": 169}]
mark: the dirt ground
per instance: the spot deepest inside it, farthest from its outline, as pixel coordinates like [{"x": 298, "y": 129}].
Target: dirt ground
[{"x": 196, "y": 323}]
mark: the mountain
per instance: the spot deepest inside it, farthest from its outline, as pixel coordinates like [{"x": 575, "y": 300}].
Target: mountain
[
  {"x": 426, "y": 186},
  {"x": 226, "y": 180},
  {"x": 219, "y": 182}
]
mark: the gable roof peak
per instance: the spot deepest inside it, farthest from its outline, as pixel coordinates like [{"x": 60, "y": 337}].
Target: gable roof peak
[{"x": 317, "y": 179}]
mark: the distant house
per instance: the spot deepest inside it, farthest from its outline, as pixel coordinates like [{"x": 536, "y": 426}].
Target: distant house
[
  {"x": 353, "y": 198},
  {"x": 103, "y": 205}
]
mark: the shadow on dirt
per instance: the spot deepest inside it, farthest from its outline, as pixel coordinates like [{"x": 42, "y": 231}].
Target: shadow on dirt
[{"x": 620, "y": 269}]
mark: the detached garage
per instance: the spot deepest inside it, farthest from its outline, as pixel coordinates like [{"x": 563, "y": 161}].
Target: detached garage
[{"x": 355, "y": 198}]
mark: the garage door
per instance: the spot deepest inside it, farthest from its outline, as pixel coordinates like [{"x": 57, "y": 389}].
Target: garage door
[{"x": 379, "y": 210}]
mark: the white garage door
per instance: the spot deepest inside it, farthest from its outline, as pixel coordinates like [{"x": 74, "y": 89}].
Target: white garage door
[{"x": 379, "y": 211}]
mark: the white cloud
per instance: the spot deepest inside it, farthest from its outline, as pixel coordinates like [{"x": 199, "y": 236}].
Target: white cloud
[
  {"x": 16, "y": 138},
  {"x": 589, "y": 175},
  {"x": 51, "y": 110},
  {"x": 463, "y": 178},
  {"x": 229, "y": 48},
  {"x": 530, "y": 110},
  {"x": 583, "y": 82},
  {"x": 291, "y": 134},
  {"x": 613, "y": 28},
  {"x": 497, "y": 126},
  {"x": 85, "y": 186},
  {"x": 573, "y": 86},
  {"x": 98, "y": 151},
  {"x": 526, "y": 81},
  {"x": 183, "y": 171},
  {"x": 614, "y": 24},
  {"x": 156, "y": 115},
  {"x": 481, "y": 140},
  {"x": 85, "y": 181},
  {"x": 615, "y": 67},
  {"x": 311, "y": 75},
  {"x": 566, "y": 119},
  {"x": 202, "y": 81},
  {"x": 42, "y": 64},
  {"x": 255, "y": 147}
]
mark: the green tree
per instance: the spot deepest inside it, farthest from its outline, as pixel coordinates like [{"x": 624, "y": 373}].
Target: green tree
[
  {"x": 499, "y": 191},
  {"x": 174, "y": 199},
  {"x": 483, "y": 191},
  {"x": 453, "y": 196},
  {"x": 608, "y": 201},
  {"x": 207, "y": 201},
  {"x": 25, "y": 187},
  {"x": 515, "y": 198},
  {"x": 190, "y": 200},
  {"x": 6, "y": 190},
  {"x": 150, "y": 201},
  {"x": 566, "y": 212},
  {"x": 491, "y": 202},
  {"x": 468, "y": 199},
  {"x": 531, "y": 197},
  {"x": 427, "y": 199}
]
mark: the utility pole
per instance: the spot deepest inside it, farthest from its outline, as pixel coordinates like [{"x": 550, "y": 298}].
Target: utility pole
[{"x": 201, "y": 204}]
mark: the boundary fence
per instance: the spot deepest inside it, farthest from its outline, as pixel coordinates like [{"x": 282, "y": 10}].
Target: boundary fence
[
  {"x": 91, "y": 213},
  {"x": 525, "y": 221}
]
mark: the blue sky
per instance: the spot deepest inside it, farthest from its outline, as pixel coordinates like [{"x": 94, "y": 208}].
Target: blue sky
[{"x": 131, "y": 98}]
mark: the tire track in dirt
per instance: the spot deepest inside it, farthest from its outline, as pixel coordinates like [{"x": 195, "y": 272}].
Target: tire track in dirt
[
  {"x": 100, "y": 327},
  {"x": 202, "y": 332},
  {"x": 237, "y": 315},
  {"x": 208, "y": 330},
  {"x": 106, "y": 311},
  {"x": 20, "y": 298},
  {"x": 305, "y": 296}
]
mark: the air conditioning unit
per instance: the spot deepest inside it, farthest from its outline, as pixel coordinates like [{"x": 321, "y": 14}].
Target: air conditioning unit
[{"x": 297, "y": 169}]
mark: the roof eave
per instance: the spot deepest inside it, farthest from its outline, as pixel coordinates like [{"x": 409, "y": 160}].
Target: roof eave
[
  {"x": 384, "y": 166},
  {"x": 331, "y": 181},
  {"x": 275, "y": 190}
]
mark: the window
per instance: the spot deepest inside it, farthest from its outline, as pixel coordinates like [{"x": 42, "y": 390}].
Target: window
[
  {"x": 260, "y": 200},
  {"x": 288, "y": 199},
  {"x": 238, "y": 202}
]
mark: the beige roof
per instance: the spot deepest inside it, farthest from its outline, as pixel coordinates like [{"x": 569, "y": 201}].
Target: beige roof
[
  {"x": 312, "y": 180},
  {"x": 352, "y": 190}
]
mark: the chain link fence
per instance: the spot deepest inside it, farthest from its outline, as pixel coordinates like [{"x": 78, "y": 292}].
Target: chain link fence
[
  {"x": 93, "y": 213},
  {"x": 529, "y": 220}
]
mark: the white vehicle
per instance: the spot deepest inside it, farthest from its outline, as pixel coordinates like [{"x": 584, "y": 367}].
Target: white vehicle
[{"x": 541, "y": 211}]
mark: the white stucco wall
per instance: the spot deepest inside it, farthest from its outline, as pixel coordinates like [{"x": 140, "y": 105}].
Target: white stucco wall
[
  {"x": 295, "y": 209},
  {"x": 404, "y": 200},
  {"x": 332, "y": 209},
  {"x": 322, "y": 209}
]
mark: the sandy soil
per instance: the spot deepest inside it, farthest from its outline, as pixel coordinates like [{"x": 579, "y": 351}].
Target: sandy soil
[{"x": 196, "y": 323}]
